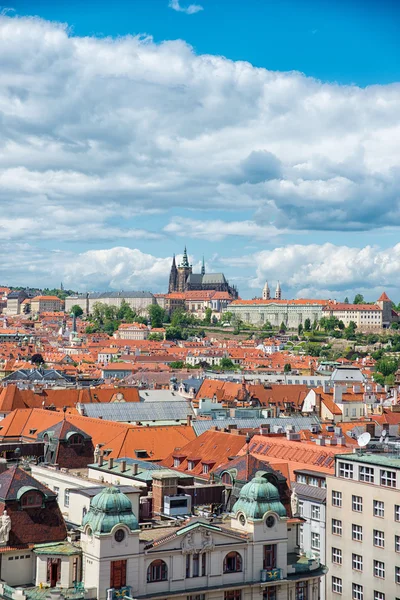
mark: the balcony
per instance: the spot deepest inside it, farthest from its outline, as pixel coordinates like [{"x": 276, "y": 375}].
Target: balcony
[
  {"x": 45, "y": 593},
  {"x": 298, "y": 564}
]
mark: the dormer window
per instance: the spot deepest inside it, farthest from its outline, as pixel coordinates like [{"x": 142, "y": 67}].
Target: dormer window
[
  {"x": 76, "y": 440},
  {"x": 32, "y": 499}
]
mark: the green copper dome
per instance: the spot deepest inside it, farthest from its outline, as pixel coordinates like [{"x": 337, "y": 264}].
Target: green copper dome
[
  {"x": 258, "y": 497},
  {"x": 109, "y": 508}
]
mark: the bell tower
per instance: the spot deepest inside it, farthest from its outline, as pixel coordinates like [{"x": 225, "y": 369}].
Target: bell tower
[
  {"x": 173, "y": 277},
  {"x": 184, "y": 270}
]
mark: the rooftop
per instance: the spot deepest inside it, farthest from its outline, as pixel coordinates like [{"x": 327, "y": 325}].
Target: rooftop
[{"x": 381, "y": 459}]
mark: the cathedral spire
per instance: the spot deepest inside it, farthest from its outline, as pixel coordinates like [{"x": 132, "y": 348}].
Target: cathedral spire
[
  {"x": 185, "y": 262},
  {"x": 203, "y": 268}
]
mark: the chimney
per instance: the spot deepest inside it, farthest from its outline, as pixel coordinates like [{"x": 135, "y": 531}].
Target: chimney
[
  {"x": 134, "y": 468},
  {"x": 320, "y": 441},
  {"x": 123, "y": 466},
  {"x": 292, "y": 436},
  {"x": 326, "y": 386},
  {"x": 337, "y": 393},
  {"x": 110, "y": 463},
  {"x": 101, "y": 460},
  {"x": 164, "y": 484},
  {"x": 264, "y": 429},
  {"x": 189, "y": 420}
]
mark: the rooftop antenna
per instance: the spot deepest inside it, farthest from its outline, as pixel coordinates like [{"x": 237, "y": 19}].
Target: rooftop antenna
[{"x": 363, "y": 440}]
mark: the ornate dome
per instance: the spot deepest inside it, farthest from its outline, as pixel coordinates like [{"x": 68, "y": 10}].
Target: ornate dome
[
  {"x": 258, "y": 497},
  {"x": 109, "y": 508}
]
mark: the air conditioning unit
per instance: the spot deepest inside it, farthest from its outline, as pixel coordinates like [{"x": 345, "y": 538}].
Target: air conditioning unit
[{"x": 175, "y": 506}]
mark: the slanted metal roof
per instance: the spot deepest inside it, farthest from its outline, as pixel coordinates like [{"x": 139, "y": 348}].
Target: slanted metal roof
[
  {"x": 298, "y": 423},
  {"x": 128, "y": 412},
  {"x": 311, "y": 492}
]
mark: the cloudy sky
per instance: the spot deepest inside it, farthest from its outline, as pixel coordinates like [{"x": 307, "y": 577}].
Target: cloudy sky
[{"x": 262, "y": 134}]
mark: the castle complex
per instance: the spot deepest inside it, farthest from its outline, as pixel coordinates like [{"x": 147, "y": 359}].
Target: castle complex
[{"x": 182, "y": 279}]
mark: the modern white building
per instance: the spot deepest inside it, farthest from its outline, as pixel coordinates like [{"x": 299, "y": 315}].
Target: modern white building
[{"x": 363, "y": 526}]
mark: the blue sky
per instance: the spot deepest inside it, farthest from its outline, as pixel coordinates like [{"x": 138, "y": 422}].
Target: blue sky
[{"x": 119, "y": 150}]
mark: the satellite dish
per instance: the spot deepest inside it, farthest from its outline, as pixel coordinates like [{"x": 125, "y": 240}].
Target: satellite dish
[
  {"x": 384, "y": 432},
  {"x": 364, "y": 439}
]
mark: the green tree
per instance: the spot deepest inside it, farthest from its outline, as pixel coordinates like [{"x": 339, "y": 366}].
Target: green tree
[
  {"x": 341, "y": 325},
  {"x": 175, "y": 333},
  {"x": 378, "y": 378},
  {"x": 282, "y": 327},
  {"x": 386, "y": 366},
  {"x": 346, "y": 300},
  {"x": 180, "y": 317},
  {"x": 300, "y": 329},
  {"x": 267, "y": 326},
  {"x": 307, "y": 325},
  {"x": 76, "y": 310},
  {"x": 226, "y": 364},
  {"x": 126, "y": 313},
  {"x": 207, "y": 316},
  {"x": 394, "y": 326},
  {"x": 350, "y": 330},
  {"x": 287, "y": 368},
  {"x": 156, "y": 337},
  {"x": 156, "y": 315},
  {"x": 177, "y": 364},
  {"x": 358, "y": 299},
  {"x": 227, "y": 317},
  {"x": 390, "y": 379}
]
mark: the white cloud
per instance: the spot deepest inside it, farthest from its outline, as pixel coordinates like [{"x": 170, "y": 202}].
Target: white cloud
[
  {"x": 101, "y": 126},
  {"x": 218, "y": 229},
  {"x": 327, "y": 269},
  {"x": 189, "y": 10}
]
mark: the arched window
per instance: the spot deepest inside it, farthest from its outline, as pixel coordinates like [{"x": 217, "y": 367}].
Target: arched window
[
  {"x": 32, "y": 500},
  {"x": 227, "y": 479},
  {"x": 157, "y": 571},
  {"x": 232, "y": 562},
  {"x": 76, "y": 440}
]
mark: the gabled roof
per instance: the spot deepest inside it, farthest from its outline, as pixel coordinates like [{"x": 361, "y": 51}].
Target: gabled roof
[
  {"x": 384, "y": 298},
  {"x": 246, "y": 467}
]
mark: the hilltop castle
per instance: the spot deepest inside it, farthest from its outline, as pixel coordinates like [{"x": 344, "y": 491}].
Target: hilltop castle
[{"x": 182, "y": 279}]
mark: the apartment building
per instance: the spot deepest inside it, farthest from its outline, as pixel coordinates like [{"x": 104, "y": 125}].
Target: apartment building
[
  {"x": 40, "y": 304},
  {"x": 363, "y": 527},
  {"x": 367, "y": 317}
]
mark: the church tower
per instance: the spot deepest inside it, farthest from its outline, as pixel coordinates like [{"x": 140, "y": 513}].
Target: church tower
[
  {"x": 203, "y": 268},
  {"x": 184, "y": 270},
  {"x": 173, "y": 277},
  {"x": 278, "y": 292},
  {"x": 266, "y": 295}
]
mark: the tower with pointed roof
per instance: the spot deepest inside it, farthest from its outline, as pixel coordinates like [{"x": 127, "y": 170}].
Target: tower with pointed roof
[
  {"x": 173, "y": 277},
  {"x": 278, "y": 292},
  {"x": 386, "y": 305},
  {"x": 184, "y": 270},
  {"x": 266, "y": 292},
  {"x": 203, "y": 268}
]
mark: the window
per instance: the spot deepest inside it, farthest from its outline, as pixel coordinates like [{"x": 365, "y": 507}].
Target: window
[
  {"x": 379, "y": 569},
  {"x": 357, "y": 533},
  {"x": 397, "y": 543},
  {"x": 337, "y": 556},
  {"x": 337, "y": 585},
  {"x": 206, "y": 469},
  {"x": 357, "y": 562},
  {"x": 302, "y": 590},
  {"x": 336, "y": 527},
  {"x": 379, "y": 595},
  {"x": 177, "y": 462},
  {"x": 198, "y": 563},
  {"x": 233, "y": 595},
  {"x": 118, "y": 573},
  {"x": 357, "y": 592},
  {"x": 345, "y": 470},
  {"x": 367, "y": 474},
  {"x": 357, "y": 503},
  {"x": 397, "y": 574},
  {"x": 269, "y": 561},
  {"x": 388, "y": 478},
  {"x": 76, "y": 440},
  {"x": 315, "y": 541},
  {"x": 270, "y": 593},
  {"x": 337, "y": 499},
  {"x": 301, "y": 508},
  {"x": 196, "y": 597},
  {"x": 379, "y": 508},
  {"x": 190, "y": 465},
  {"x": 232, "y": 562},
  {"x": 379, "y": 538},
  {"x": 301, "y": 478},
  {"x": 195, "y": 564},
  {"x": 315, "y": 512},
  {"x": 32, "y": 500},
  {"x": 313, "y": 481},
  {"x": 397, "y": 512},
  {"x": 56, "y": 490},
  {"x": 66, "y": 498},
  {"x": 157, "y": 571},
  {"x": 227, "y": 479}
]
